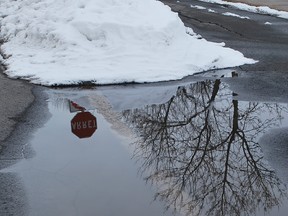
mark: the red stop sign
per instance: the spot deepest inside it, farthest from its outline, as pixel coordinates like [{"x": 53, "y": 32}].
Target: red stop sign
[{"x": 84, "y": 124}]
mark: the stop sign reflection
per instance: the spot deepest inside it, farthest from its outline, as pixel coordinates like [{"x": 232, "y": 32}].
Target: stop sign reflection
[{"x": 84, "y": 124}]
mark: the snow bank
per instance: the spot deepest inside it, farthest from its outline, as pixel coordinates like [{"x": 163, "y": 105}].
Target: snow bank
[{"x": 112, "y": 41}]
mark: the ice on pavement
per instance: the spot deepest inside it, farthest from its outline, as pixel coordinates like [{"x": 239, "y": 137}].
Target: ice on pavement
[{"x": 53, "y": 42}]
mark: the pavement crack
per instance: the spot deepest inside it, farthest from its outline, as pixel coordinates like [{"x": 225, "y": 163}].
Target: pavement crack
[{"x": 182, "y": 15}]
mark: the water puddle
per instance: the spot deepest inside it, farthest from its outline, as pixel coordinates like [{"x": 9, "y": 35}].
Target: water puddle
[
  {"x": 201, "y": 148},
  {"x": 196, "y": 150},
  {"x": 76, "y": 174}
]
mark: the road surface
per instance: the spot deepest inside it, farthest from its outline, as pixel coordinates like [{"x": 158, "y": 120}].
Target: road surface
[{"x": 267, "y": 43}]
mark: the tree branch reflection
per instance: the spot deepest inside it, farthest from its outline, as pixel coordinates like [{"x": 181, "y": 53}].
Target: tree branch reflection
[{"x": 200, "y": 148}]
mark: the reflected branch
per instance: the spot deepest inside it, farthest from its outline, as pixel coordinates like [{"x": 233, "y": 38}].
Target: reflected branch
[{"x": 201, "y": 150}]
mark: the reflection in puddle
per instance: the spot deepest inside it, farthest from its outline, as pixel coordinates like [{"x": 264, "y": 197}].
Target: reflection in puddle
[
  {"x": 83, "y": 124},
  {"x": 92, "y": 176},
  {"x": 74, "y": 107},
  {"x": 201, "y": 150}
]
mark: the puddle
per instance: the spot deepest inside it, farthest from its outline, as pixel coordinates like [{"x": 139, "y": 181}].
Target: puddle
[
  {"x": 197, "y": 151},
  {"x": 89, "y": 176},
  {"x": 201, "y": 148}
]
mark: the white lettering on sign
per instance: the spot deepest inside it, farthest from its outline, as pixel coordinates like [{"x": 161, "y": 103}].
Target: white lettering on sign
[{"x": 84, "y": 125}]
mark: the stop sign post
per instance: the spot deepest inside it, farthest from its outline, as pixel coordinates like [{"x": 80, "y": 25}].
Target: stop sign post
[{"x": 84, "y": 124}]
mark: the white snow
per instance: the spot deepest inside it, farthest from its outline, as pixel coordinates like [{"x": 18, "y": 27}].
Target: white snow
[
  {"x": 113, "y": 41},
  {"x": 198, "y": 7},
  {"x": 254, "y": 9},
  {"x": 235, "y": 15}
]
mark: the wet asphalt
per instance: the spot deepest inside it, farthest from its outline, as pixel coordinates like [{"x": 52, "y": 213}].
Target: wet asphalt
[
  {"x": 265, "y": 80},
  {"x": 23, "y": 109},
  {"x": 15, "y": 97}
]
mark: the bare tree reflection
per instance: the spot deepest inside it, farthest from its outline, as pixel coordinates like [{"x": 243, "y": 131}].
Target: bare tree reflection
[{"x": 201, "y": 150}]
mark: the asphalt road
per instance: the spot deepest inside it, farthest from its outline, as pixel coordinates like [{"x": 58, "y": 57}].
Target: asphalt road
[
  {"x": 265, "y": 80},
  {"x": 23, "y": 109},
  {"x": 15, "y": 97}
]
